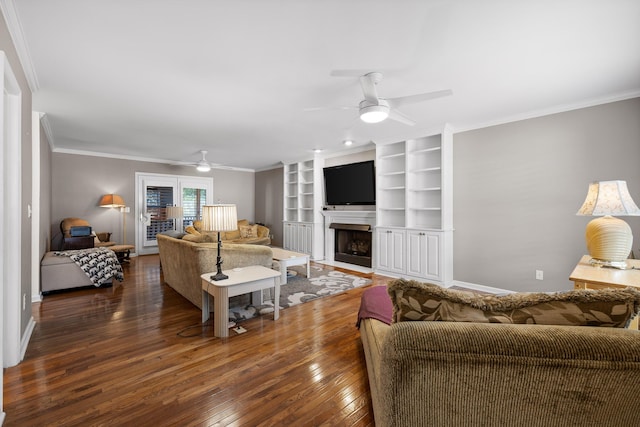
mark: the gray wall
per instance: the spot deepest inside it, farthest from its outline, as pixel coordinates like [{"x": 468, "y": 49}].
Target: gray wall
[
  {"x": 518, "y": 186},
  {"x": 269, "y": 201},
  {"x": 78, "y": 182}
]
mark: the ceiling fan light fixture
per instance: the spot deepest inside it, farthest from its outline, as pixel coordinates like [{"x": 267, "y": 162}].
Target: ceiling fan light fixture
[
  {"x": 203, "y": 166},
  {"x": 374, "y": 113}
]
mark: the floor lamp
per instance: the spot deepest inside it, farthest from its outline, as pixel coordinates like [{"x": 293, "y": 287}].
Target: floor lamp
[
  {"x": 115, "y": 201},
  {"x": 219, "y": 218}
]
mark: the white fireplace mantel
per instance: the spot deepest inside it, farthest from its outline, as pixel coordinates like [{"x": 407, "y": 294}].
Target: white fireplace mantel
[{"x": 345, "y": 217}]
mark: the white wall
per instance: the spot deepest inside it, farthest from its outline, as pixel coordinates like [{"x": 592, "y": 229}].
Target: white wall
[{"x": 518, "y": 186}]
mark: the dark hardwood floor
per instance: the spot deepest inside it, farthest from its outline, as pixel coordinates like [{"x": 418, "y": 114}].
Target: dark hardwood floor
[{"x": 138, "y": 355}]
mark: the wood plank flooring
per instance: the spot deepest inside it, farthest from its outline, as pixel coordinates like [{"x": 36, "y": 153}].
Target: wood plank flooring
[{"x": 138, "y": 355}]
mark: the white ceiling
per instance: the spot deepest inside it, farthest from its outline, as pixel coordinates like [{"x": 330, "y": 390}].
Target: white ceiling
[{"x": 164, "y": 79}]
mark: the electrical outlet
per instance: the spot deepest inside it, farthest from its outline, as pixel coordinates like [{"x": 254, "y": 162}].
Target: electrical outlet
[{"x": 539, "y": 275}]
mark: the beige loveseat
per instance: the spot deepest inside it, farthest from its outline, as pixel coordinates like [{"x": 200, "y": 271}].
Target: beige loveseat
[
  {"x": 446, "y": 373},
  {"x": 246, "y": 233},
  {"x": 183, "y": 262}
]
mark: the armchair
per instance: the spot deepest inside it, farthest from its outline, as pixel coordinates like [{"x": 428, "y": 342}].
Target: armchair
[{"x": 69, "y": 241}]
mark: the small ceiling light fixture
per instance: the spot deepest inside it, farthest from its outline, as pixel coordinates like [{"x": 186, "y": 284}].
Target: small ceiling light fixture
[
  {"x": 317, "y": 150},
  {"x": 374, "y": 113},
  {"x": 203, "y": 165},
  {"x": 348, "y": 142}
]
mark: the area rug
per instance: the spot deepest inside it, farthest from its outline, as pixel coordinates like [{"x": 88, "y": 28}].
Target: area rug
[{"x": 299, "y": 289}]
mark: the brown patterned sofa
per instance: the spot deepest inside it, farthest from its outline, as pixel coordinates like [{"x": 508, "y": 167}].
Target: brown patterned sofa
[{"x": 462, "y": 373}]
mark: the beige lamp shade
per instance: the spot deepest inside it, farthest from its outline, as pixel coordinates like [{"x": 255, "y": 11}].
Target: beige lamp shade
[
  {"x": 219, "y": 218},
  {"x": 174, "y": 212},
  {"x": 111, "y": 201},
  {"x": 609, "y": 239}
]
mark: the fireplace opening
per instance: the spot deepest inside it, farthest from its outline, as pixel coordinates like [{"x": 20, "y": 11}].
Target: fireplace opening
[{"x": 352, "y": 243}]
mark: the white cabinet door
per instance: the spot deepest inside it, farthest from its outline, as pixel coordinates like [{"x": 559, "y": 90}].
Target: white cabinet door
[
  {"x": 390, "y": 248},
  {"x": 305, "y": 238},
  {"x": 290, "y": 232},
  {"x": 423, "y": 254}
]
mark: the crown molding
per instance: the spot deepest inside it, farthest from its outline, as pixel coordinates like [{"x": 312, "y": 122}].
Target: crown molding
[
  {"x": 142, "y": 159},
  {"x": 46, "y": 125},
  {"x": 14, "y": 26},
  {"x": 547, "y": 111}
]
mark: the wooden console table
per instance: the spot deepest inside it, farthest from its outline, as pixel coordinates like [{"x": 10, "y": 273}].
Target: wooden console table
[{"x": 587, "y": 276}]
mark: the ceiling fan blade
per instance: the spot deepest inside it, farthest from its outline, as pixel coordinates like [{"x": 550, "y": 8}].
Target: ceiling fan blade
[
  {"x": 328, "y": 108},
  {"x": 410, "y": 99},
  {"x": 399, "y": 117},
  {"x": 368, "y": 83}
]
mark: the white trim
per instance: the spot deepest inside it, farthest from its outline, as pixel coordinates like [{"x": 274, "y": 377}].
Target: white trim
[
  {"x": 46, "y": 125},
  {"x": 12, "y": 203},
  {"x": 26, "y": 337},
  {"x": 20, "y": 42},
  {"x": 481, "y": 288},
  {"x": 35, "y": 206},
  {"x": 142, "y": 159},
  {"x": 547, "y": 111}
]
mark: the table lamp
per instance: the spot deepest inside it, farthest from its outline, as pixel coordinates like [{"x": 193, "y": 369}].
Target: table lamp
[
  {"x": 174, "y": 213},
  {"x": 609, "y": 239},
  {"x": 219, "y": 218}
]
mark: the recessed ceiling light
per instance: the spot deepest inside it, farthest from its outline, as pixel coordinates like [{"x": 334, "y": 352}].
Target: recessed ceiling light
[
  {"x": 317, "y": 150},
  {"x": 348, "y": 142}
]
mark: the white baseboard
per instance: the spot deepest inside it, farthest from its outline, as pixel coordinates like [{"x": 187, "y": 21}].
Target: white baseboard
[
  {"x": 24, "y": 342},
  {"x": 36, "y": 298},
  {"x": 481, "y": 288},
  {"x": 2, "y": 417}
]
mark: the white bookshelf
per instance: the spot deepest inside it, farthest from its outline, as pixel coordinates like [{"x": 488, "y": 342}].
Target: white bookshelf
[{"x": 414, "y": 205}]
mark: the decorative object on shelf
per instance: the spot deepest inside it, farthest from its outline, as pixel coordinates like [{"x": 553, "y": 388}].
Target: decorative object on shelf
[
  {"x": 115, "y": 201},
  {"x": 609, "y": 239},
  {"x": 219, "y": 218},
  {"x": 174, "y": 213}
]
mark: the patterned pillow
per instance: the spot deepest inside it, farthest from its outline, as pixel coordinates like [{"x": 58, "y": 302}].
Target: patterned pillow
[
  {"x": 248, "y": 231},
  {"x": 423, "y": 301}
]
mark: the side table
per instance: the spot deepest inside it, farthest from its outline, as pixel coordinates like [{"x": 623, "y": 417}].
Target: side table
[
  {"x": 587, "y": 276},
  {"x": 241, "y": 281}
]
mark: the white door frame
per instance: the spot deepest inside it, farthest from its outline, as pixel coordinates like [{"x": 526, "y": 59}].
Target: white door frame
[
  {"x": 142, "y": 179},
  {"x": 10, "y": 218}
]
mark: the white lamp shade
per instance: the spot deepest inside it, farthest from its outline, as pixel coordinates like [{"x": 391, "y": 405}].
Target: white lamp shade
[
  {"x": 174, "y": 212},
  {"x": 609, "y": 198},
  {"x": 219, "y": 218}
]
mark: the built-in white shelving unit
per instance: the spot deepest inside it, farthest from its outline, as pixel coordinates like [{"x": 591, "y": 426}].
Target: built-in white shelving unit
[
  {"x": 414, "y": 208},
  {"x": 303, "y": 231}
]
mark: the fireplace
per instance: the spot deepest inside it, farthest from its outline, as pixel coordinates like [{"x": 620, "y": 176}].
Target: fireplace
[{"x": 352, "y": 243}]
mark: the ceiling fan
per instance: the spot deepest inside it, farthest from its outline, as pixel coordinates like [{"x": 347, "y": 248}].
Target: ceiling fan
[
  {"x": 203, "y": 165},
  {"x": 374, "y": 109}
]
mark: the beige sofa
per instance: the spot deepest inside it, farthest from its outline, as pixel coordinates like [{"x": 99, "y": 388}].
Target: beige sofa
[
  {"x": 183, "y": 262},
  {"x": 246, "y": 233},
  {"x": 444, "y": 373}
]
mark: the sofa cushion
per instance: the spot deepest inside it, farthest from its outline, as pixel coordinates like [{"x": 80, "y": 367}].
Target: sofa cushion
[
  {"x": 413, "y": 300},
  {"x": 190, "y": 229},
  {"x": 199, "y": 238},
  {"x": 248, "y": 231}
]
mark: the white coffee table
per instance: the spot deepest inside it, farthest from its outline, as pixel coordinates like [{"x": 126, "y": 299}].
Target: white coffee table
[
  {"x": 241, "y": 281},
  {"x": 289, "y": 258}
]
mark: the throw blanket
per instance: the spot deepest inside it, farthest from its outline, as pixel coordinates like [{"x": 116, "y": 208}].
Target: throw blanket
[
  {"x": 99, "y": 264},
  {"x": 376, "y": 304}
]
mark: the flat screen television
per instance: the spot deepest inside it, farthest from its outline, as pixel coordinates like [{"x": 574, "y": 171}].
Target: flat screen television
[{"x": 351, "y": 184}]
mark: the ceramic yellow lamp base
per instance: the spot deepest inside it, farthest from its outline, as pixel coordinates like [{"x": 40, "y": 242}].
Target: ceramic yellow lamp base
[{"x": 609, "y": 239}]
